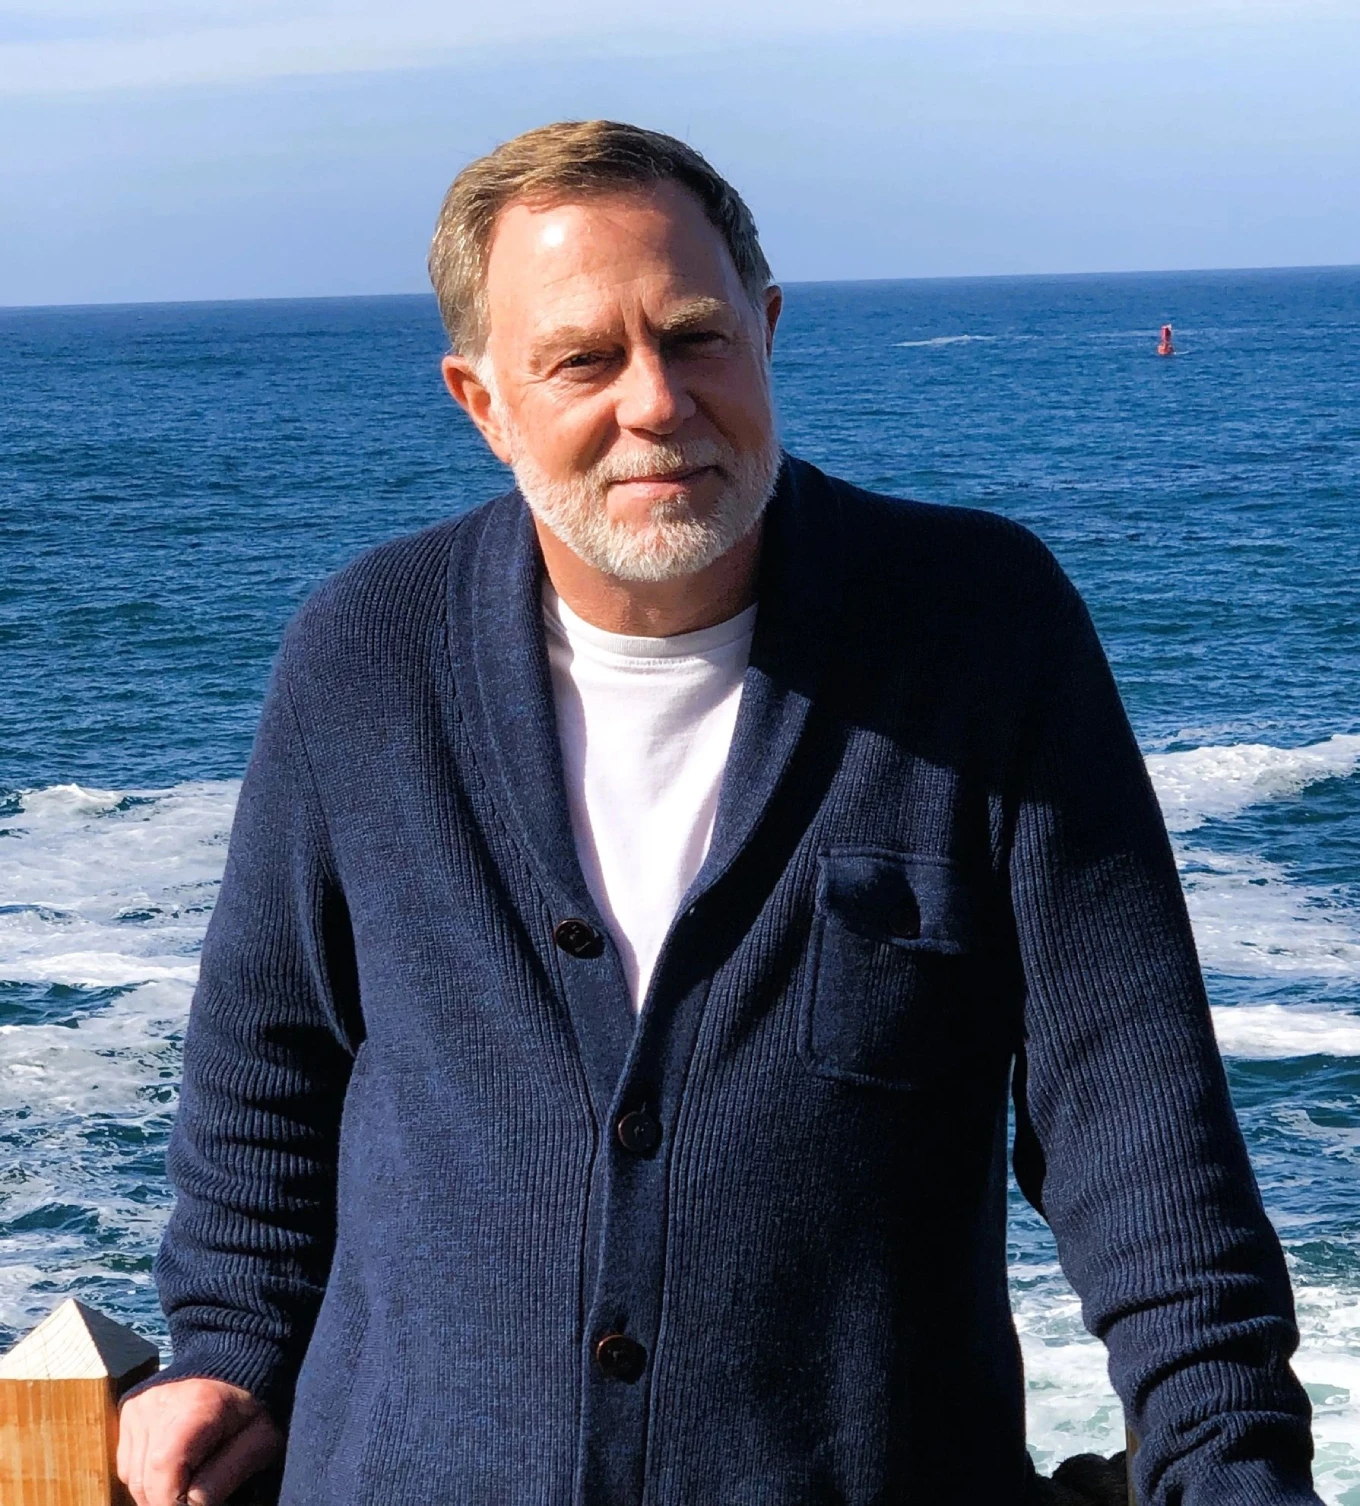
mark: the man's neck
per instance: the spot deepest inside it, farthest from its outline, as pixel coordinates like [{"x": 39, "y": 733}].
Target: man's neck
[{"x": 654, "y": 609}]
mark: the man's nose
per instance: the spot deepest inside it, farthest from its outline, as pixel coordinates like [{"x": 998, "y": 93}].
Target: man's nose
[{"x": 650, "y": 394}]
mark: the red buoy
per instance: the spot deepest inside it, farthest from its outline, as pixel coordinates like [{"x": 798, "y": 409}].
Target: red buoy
[{"x": 1166, "y": 348}]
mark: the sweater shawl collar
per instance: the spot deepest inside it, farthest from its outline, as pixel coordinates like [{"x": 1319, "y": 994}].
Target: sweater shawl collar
[{"x": 505, "y": 692}]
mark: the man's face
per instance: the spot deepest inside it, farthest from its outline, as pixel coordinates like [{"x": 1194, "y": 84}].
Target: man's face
[{"x": 626, "y": 380}]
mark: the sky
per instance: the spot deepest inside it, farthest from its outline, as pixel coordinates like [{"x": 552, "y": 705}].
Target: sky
[{"x": 171, "y": 149}]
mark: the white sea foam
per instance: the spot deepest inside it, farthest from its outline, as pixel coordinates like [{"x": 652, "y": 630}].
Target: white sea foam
[
  {"x": 103, "y": 889},
  {"x": 1328, "y": 1364},
  {"x": 1265, "y": 1032},
  {"x": 1252, "y": 920},
  {"x": 109, "y": 891},
  {"x": 1251, "y": 917},
  {"x": 1071, "y": 1407},
  {"x": 1055, "y": 336},
  {"x": 76, "y": 846},
  {"x": 946, "y": 340},
  {"x": 116, "y": 1060},
  {"x": 1221, "y": 782}
]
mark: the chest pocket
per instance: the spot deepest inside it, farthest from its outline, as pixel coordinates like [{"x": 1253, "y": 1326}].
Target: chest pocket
[{"x": 893, "y": 992}]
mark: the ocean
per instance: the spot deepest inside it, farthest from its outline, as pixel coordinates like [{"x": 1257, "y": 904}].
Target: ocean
[{"x": 175, "y": 479}]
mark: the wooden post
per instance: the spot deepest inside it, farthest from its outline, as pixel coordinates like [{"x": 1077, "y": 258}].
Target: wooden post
[
  {"x": 59, "y": 1390},
  {"x": 1130, "y": 1449}
]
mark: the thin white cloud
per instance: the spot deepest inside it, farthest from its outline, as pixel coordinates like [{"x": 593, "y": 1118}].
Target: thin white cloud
[{"x": 91, "y": 45}]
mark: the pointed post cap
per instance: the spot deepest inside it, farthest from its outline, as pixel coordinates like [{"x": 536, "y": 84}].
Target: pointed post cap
[{"x": 74, "y": 1342}]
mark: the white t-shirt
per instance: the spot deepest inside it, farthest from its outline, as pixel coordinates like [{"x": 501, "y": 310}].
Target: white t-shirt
[{"x": 645, "y": 725}]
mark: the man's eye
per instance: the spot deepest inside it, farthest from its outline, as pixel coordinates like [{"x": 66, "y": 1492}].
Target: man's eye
[
  {"x": 583, "y": 360},
  {"x": 700, "y": 339}
]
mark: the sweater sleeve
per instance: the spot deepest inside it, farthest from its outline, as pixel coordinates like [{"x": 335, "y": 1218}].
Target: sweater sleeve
[
  {"x": 1126, "y": 1136},
  {"x": 267, "y": 1055}
]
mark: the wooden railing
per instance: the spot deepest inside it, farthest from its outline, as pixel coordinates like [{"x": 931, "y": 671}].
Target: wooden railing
[{"x": 59, "y": 1390}]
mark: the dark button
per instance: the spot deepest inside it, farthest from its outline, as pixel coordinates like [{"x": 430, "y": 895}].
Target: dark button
[
  {"x": 620, "y": 1357},
  {"x": 638, "y": 1132},
  {"x": 577, "y": 939}
]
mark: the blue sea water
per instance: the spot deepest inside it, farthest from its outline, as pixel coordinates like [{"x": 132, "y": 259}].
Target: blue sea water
[{"x": 175, "y": 479}]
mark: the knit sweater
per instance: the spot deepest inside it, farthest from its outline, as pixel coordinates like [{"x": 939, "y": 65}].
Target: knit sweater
[{"x": 485, "y": 1238}]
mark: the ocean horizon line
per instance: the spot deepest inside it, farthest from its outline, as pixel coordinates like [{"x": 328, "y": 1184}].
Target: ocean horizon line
[{"x": 792, "y": 282}]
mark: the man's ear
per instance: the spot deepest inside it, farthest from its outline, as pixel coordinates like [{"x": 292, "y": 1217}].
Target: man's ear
[
  {"x": 774, "y": 303},
  {"x": 474, "y": 397}
]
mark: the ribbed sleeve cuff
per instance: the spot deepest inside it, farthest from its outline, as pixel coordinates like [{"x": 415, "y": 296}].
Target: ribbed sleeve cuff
[
  {"x": 1251, "y": 1483},
  {"x": 255, "y": 1365}
]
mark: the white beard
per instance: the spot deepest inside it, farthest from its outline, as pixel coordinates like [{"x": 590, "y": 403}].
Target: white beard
[{"x": 672, "y": 542}]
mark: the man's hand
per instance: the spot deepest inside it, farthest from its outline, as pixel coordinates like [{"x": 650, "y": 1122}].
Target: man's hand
[{"x": 194, "y": 1441}]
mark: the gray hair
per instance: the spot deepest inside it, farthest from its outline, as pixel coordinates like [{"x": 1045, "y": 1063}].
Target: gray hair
[{"x": 573, "y": 158}]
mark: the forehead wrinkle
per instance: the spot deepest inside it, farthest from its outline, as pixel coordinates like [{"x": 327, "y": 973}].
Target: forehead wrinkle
[
  {"x": 689, "y": 314},
  {"x": 693, "y": 311}
]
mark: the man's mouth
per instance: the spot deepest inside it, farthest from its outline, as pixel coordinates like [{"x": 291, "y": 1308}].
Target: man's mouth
[{"x": 665, "y": 478}]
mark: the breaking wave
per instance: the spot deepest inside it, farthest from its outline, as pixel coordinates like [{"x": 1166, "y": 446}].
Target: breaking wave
[{"x": 1221, "y": 782}]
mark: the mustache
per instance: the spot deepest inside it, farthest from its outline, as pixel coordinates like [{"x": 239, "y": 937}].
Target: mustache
[{"x": 663, "y": 460}]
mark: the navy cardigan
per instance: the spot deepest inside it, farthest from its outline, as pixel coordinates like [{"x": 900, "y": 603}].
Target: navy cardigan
[{"x": 488, "y": 1241}]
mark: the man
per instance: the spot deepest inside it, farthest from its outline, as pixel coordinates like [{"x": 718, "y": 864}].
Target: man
[{"x": 642, "y": 904}]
